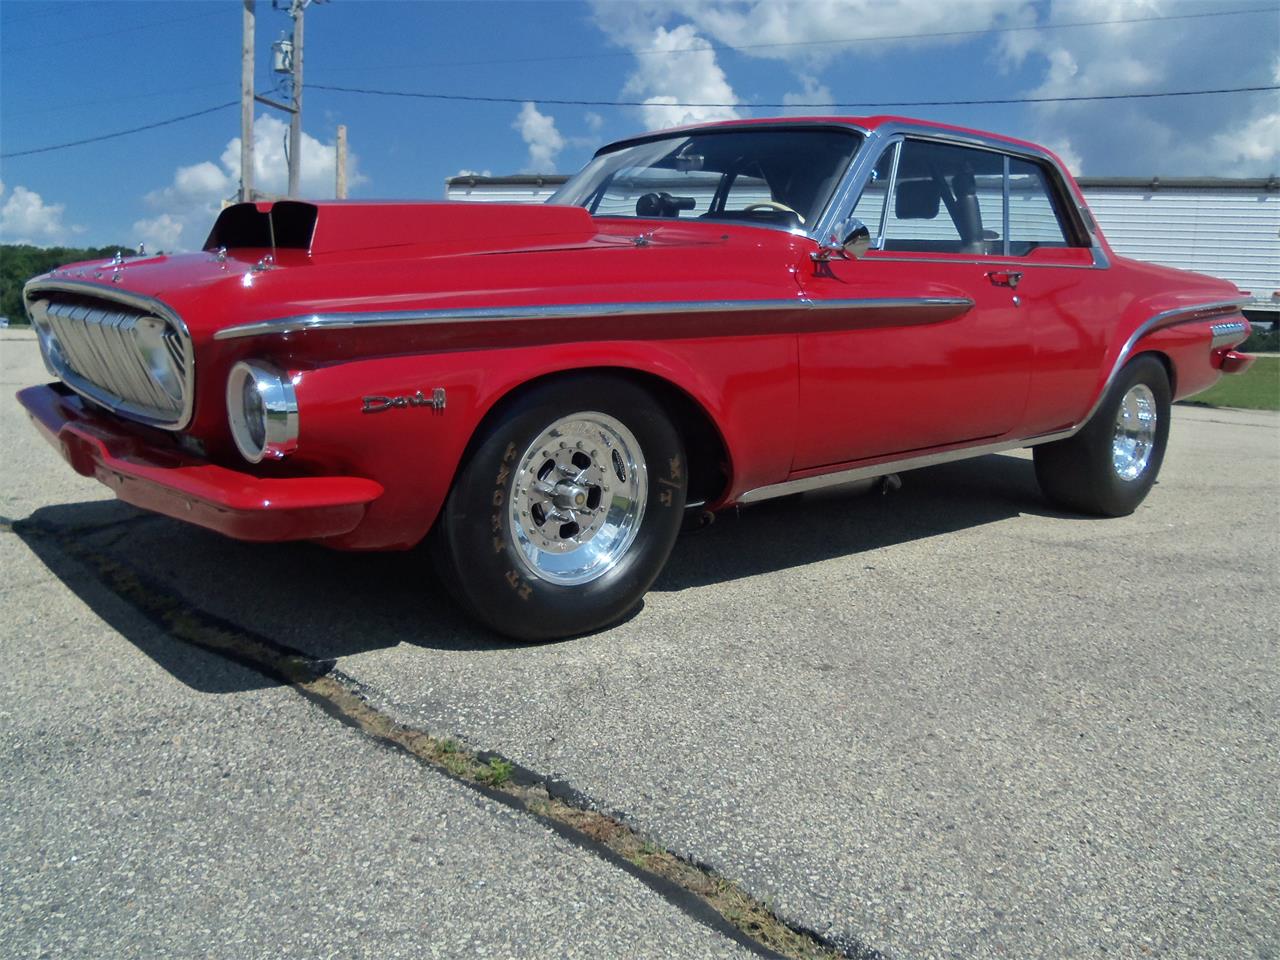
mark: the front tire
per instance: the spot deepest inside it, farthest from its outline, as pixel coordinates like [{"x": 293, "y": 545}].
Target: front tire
[
  {"x": 566, "y": 509},
  {"x": 1108, "y": 467}
]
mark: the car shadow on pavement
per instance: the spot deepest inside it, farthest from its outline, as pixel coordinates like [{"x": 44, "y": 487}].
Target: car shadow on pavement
[
  {"x": 326, "y": 605},
  {"x": 798, "y": 530}
]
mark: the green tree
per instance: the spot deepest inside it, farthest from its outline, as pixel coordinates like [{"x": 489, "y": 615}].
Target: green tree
[{"x": 19, "y": 262}]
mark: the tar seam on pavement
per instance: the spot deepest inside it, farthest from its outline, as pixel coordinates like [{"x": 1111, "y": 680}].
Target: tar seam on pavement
[{"x": 694, "y": 888}]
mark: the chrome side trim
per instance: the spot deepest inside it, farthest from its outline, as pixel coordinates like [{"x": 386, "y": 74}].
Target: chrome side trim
[
  {"x": 397, "y": 318},
  {"x": 107, "y": 353},
  {"x": 805, "y": 484},
  {"x": 1166, "y": 318},
  {"x": 1225, "y": 333}
]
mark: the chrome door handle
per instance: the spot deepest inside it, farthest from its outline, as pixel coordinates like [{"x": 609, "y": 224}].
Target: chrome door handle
[{"x": 1005, "y": 278}]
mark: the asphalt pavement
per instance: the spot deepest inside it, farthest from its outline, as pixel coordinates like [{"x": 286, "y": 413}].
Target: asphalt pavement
[{"x": 947, "y": 722}]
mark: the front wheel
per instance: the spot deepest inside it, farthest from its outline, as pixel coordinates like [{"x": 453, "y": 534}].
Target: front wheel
[
  {"x": 566, "y": 509},
  {"x": 1110, "y": 465}
]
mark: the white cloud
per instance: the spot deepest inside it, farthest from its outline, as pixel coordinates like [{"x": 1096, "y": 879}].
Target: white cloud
[
  {"x": 804, "y": 33},
  {"x": 538, "y": 130},
  {"x": 1252, "y": 148},
  {"x": 185, "y": 209},
  {"x": 676, "y": 64},
  {"x": 1067, "y": 153},
  {"x": 1213, "y": 135},
  {"x": 26, "y": 218},
  {"x": 162, "y": 233},
  {"x": 594, "y": 121},
  {"x": 698, "y": 80},
  {"x": 812, "y": 92},
  {"x": 465, "y": 172}
]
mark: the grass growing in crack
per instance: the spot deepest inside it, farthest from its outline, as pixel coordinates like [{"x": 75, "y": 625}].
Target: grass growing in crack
[
  {"x": 496, "y": 773},
  {"x": 755, "y": 919}
]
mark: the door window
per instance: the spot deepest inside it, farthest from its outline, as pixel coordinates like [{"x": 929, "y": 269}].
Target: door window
[
  {"x": 946, "y": 199},
  {"x": 931, "y": 197},
  {"x": 1033, "y": 221}
]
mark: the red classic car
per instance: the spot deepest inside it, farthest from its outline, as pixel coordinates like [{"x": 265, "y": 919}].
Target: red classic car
[{"x": 702, "y": 317}]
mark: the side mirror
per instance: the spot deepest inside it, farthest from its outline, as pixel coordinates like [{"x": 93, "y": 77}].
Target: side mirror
[
  {"x": 849, "y": 240},
  {"x": 855, "y": 238}
]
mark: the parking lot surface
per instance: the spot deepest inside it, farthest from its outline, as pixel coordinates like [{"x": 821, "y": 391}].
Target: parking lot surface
[{"x": 948, "y": 722}]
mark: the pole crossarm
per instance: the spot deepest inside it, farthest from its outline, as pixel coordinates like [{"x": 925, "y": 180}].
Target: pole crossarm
[{"x": 267, "y": 101}]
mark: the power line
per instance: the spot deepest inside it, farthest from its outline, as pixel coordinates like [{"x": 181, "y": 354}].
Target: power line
[
  {"x": 879, "y": 38},
  {"x": 473, "y": 98},
  {"x": 46, "y": 111},
  {"x": 121, "y": 133}
]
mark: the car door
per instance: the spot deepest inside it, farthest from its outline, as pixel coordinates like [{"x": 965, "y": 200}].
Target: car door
[{"x": 933, "y": 339}]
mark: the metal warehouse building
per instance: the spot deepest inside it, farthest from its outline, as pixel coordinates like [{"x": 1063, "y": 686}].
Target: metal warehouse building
[{"x": 1225, "y": 228}]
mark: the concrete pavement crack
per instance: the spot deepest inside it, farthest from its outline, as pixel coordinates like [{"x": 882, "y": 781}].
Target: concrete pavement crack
[{"x": 694, "y": 888}]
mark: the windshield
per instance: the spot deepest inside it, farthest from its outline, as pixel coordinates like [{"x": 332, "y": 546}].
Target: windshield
[{"x": 770, "y": 176}]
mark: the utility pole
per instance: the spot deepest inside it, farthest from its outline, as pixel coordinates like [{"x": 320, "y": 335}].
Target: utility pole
[
  {"x": 286, "y": 59},
  {"x": 296, "y": 10},
  {"x": 246, "y": 105},
  {"x": 340, "y": 164}
]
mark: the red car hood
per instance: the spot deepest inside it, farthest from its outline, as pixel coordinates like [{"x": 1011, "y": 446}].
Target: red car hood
[{"x": 343, "y": 256}]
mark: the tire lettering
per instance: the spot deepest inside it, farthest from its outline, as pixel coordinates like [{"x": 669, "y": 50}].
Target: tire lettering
[
  {"x": 498, "y": 498},
  {"x": 523, "y": 590}
]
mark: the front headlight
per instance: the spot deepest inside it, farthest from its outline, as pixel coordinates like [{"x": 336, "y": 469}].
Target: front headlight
[
  {"x": 50, "y": 348},
  {"x": 262, "y": 409},
  {"x": 160, "y": 353}
]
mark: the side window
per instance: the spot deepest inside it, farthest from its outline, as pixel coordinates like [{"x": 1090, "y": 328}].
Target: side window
[
  {"x": 946, "y": 199},
  {"x": 870, "y": 207},
  {"x": 1033, "y": 221}
]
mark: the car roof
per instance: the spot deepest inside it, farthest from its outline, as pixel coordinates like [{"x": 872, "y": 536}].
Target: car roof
[{"x": 865, "y": 123}]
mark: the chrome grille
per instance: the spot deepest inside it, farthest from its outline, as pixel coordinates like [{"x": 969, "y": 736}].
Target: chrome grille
[{"x": 129, "y": 354}]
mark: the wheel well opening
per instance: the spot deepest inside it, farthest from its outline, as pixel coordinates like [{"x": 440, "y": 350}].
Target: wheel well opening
[
  {"x": 1169, "y": 370},
  {"x": 708, "y": 463}
]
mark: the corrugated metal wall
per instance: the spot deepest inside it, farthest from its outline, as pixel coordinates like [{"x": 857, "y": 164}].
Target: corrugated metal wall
[{"x": 1228, "y": 233}]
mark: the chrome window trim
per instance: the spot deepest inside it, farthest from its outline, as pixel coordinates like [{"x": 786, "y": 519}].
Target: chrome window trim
[
  {"x": 397, "y": 318},
  {"x": 883, "y": 136},
  {"x": 1098, "y": 262},
  {"x": 896, "y": 147},
  {"x": 90, "y": 391},
  {"x": 1005, "y": 215},
  {"x": 1167, "y": 318}
]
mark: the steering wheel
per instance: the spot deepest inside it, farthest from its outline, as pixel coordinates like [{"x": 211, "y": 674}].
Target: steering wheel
[{"x": 772, "y": 205}]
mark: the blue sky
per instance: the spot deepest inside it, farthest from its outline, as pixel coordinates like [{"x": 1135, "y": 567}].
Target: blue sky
[{"x": 73, "y": 70}]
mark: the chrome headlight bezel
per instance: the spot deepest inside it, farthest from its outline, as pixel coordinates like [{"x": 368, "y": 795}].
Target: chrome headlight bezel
[
  {"x": 278, "y": 420},
  {"x": 50, "y": 347}
]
